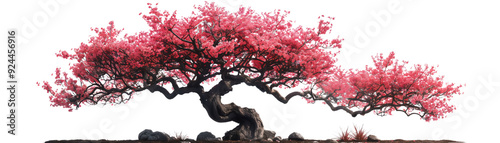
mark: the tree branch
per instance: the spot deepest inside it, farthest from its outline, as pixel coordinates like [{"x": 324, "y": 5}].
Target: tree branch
[{"x": 179, "y": 91}]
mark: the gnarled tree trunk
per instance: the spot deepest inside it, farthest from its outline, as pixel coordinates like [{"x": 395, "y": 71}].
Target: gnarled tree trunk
[{"x": 250, "y": 125}]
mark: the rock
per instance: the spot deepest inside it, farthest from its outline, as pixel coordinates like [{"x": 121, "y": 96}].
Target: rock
[
  {"x": 235, "y": 135},
  {"x": 149, "y": 135},
  {"x": 269, "y": 134},
  {"x": 206, "y": 136},
  {"x": 152, "y": 138},
  {"x": 251, "y": 130},
  {"x": 296, "y": 137},
  {"x": 172, "y": 138},
  {"x": 278, "y": 138},
  {"x": 331, "y": 141},
  {"x": 144, "y": 135},
  {"x": 158, "y": 136},
  {"x": 372, "y": 138}
]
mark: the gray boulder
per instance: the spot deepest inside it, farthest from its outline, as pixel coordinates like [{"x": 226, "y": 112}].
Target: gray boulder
[
  {"x": 149, "y": 135},
  {"x": 144, "y": 135},
  {"x": 296, "y": 137},
  {"x": 158, "y": 136},
  {"x": 234, "y": 135},
  {"x": 206, "y": 136},
  {"x": 269, "y": 134},
  {"x": 372, "y": 138},
  {"x": 172, "y": 138}
]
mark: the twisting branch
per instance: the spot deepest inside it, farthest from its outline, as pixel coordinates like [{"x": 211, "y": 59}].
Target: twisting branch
[
  {"x": 329, "y": 99},
  {"x": 306, "y": 94},
  {"x": 179, "y": 91}
]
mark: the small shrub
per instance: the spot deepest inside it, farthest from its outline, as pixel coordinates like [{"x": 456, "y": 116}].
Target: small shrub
[
  {"x": 344, "y": 136},
  {"x": 180, "y": 136},
  {"x": 359, "y": 134}
]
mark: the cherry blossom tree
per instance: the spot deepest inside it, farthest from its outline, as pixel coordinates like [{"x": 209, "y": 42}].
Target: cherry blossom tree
[{"x": 263, "y": 50}]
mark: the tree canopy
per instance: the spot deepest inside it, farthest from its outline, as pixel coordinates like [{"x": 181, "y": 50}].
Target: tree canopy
[{"x": 262, "y": 50}]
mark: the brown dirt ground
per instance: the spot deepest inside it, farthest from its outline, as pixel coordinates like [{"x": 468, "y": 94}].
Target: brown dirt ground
[{"x": 307, "y": 141}]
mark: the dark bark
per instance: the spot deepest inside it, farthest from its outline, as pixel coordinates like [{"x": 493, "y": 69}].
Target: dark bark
[{"x": 250, "y": 125}]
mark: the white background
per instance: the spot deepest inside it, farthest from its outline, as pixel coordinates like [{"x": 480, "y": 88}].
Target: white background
[{"x": 459, "y": 36}]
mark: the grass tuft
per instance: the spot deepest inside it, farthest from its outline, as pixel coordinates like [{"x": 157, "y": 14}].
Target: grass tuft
[
  {"x": 359, "y": 134},
  {"x": 180, "y": 136},
  {"x": 344, "y": 136}
]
